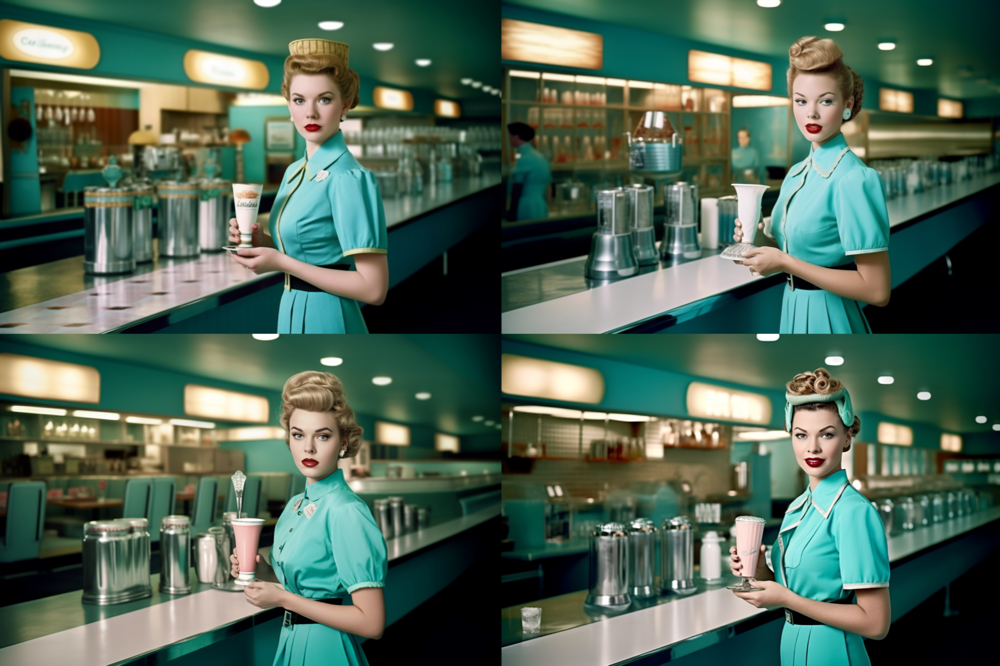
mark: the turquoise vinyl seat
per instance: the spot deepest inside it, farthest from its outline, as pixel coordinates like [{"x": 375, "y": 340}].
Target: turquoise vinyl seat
[
  {"x": 206, "y": 498},
  {"x": 138, "y": 498},
  {"x": 476, "y": 502},
  {"x": 251, "y": 497},
  {"x": 164, "y": 496},
  {"x": 25, "y": 517},
  {"x": 297, "y": 485}
]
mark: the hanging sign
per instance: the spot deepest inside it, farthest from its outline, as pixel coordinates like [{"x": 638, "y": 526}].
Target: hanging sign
[
  {"x": 30, "y": 42},
  {"x": 220, "y": 70}
]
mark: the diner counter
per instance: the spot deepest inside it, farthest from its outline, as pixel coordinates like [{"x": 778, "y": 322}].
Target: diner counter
[
  {"x": 674, "y": 626},
  {"x": 59, "y": 297},
  {"x": 46, "y": 630},
  {"x": 555, "y": 298}
]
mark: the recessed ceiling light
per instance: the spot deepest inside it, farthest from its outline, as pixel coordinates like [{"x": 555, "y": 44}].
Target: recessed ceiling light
[
  {"x": 835, "y": 360},
  {"x": 191, "y": 424},
  {"x": 477, "y": 84},
  {"x": 496, "y": 92},
  {"x": 886, "y": 379},
  {"x": 466, "y": 82},
  {"x": 331, "y": 25},
  {"x": 924, "y": 395},
  {"x": 834, "y": 27},
  {"x": 143, "y": 419},
  {"x": 477, "y": 418},
  {"x": 423, "y": 62},
  {"x": 886, "y": 46},
  {"x": 980, "y": 419},
  {"x": 28, "y": 409},
  {"x": 265, "y": 336},
  {"x": 487, "y": 88},
  {"x": 925, "y": 62},
  {"x": 423, "y": 396},
  {"x": 768, "y": 4},
  {"x": 331, "y": 360},
  {"x": 489, "y": 423},
  {"x": 381, "y": 381},
  {"x": 996, "y": 426},
  {"x": 105, "y": 416},
  {"x": 768, "y": 337},
  {"x": 382, "y": 46},
  {"x": 267, "y": 3}
]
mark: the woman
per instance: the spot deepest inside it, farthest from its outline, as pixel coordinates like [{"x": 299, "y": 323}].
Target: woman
[
  {"x": 832, "y": 570},
  {"x": 830, "y": 222},
  {"x": 326, "y": 544},
  {"x": 327, "y": 217}
]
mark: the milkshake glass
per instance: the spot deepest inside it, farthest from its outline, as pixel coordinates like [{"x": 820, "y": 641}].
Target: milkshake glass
[
  {"x": 247, "y": 531},
  {"x": 246, "y": 199},
  {"x": 749, "y": 534}
]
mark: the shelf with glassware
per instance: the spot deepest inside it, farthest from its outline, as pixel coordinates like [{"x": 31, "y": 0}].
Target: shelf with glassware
[{"x": 580, "y": 124}]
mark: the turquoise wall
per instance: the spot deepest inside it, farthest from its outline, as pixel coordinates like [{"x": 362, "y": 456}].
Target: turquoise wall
[
  {"x": 981, "y": 443},
  {"x": 481, "y": 443}
]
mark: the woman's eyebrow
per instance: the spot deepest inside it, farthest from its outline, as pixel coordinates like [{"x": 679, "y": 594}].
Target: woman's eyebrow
[
  {"x": 320, "y": 430},
  {"x": 826, "y": 93},
  {"x": 325, "y": 92},
  {"x": 806, "y": 431}
]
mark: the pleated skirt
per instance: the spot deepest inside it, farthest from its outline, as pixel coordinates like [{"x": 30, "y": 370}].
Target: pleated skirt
[
  {"x": 318, "y": 312},
  {"x": 818, "y": 311},
  {"x": 820, "y": 645},
  {"x": 317, "y": 645}
]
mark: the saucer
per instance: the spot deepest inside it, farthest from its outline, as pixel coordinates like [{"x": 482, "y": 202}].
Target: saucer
[{"x": 234, "y": 249}]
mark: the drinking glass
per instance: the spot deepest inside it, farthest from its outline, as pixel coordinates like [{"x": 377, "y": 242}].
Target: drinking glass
[
  {"x": 749, "y": 534},
  {"x": 531, "y": 619}
]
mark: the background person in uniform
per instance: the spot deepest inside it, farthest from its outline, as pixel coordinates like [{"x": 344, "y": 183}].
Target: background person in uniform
[
  {"x": 830, "y": 567},
  {"x": 746, "y": 157},
  {"x": 530, "y": 179},
  {"x": 830, "y": 224},
  {"x": 326, "y": 544},
  {"x": 327, "y": 225}
]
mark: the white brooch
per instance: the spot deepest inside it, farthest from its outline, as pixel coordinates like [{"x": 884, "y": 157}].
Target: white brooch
[
  {"x": 296, "y": 507},
  {"x": 310, "y": 510},
  {"x": 320, "y": 175}
]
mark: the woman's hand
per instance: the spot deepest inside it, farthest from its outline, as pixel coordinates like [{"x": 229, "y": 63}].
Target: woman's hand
[
  {"x": 764, "y": 260},
  {"x": 738, "y": 232},
  {"x": 234, "y": 234},
  {"x": 259, "y": 259},
  {"x": 265, "y": 595},
  {"x": 772, "y": 595},
  {"x": 234, "y": 569},
  {"x": 762, "y": 573}
]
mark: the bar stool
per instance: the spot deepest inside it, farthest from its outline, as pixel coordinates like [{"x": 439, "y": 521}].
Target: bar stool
[{"x": 25, "y": 517}]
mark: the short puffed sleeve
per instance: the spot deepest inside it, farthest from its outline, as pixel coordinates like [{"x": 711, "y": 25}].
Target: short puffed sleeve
[
  {"x": 358, "y": 547},
  {"x": 358, "y": 214},
  {"x": 862, "y": 218},
  {"x": 860, "y": 540}
]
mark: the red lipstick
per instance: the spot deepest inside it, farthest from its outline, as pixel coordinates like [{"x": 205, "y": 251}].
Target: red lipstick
[
  {"x": 313, "y": 128},
  {"x": 309, "y": 462},
  {"x": 815, "y": 462},
  {"x": 811, "y": 128}
]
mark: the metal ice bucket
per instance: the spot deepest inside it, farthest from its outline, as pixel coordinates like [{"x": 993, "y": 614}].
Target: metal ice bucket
[
  {"x": 178, "y": 219},
  {"x": 609, "y": 567},
  {"x": 108, "y": 566},
  {"x": 107, "y": 230}
]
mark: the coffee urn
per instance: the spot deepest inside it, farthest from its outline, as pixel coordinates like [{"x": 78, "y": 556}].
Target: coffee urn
[
  {"x": 142, "y": 221},
  {"x": 639, "y": 205},
  {"x": 107, "y": 230},
  {"x": 677, "y": 556},
  {"x": 609, "y": 567},
  {"x": 642, "y": 558},
  {"x": 611, "y": 254},
  {"x": 680, "y": 230}
]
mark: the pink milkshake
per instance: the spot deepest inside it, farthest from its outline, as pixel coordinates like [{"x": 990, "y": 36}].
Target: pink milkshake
[
  {"x": 247, "y": 531},
  {"x": 749, "y": 534}
]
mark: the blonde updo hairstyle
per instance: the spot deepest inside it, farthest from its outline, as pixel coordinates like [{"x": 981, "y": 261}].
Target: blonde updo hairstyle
[
  {"x": 812, "y": 55},
  {"x": 323, "y": 63},
  {"x": 819, "y": 383},
  {"x": 321, "y": 392}
]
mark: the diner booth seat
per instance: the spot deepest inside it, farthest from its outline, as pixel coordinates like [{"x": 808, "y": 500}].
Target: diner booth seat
[
  {"x": 164, "y": 496},
  {"x": 251, "y": 497},
  {"x": 25, "y": 517},
  {"x": 298, "y": 485},
  {"x": 205, "y": 501},
  {"x": 138, "y": 498}
]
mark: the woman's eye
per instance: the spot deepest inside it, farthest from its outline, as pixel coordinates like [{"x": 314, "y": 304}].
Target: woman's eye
[
  {"x": 296, "y": 435},
  {"x": 325, "y": 99},
  {"x": 827, "y": 102}
]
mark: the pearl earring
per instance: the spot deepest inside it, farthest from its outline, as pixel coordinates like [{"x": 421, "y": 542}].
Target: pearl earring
[
  {"x": 342, "y": 452},
  {"x": 847, "y": 114},
  {"x": 343, "y": 118}
]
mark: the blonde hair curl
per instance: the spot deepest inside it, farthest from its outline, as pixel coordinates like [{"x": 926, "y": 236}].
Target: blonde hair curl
[
  {"x": 346, "y": 78},
  {"x": 818, "y": 383},
  {"x": 812, "y": 55},
  {"x": 321, "y": 392}
]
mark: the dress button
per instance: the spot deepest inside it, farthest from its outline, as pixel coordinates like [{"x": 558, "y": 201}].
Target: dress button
[
  {"x": 300, "y": 513},
  {"x": 289, "y": 529}
]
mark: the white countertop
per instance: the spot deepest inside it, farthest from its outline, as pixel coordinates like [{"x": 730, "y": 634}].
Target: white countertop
[
  {"x": 628, "y": 636},
  {"x": 620, "y": 304}
]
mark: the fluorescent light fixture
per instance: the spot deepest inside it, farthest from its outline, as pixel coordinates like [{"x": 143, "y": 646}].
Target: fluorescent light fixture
[
  {"x": 996, "y": 426},
  {"x": 835, "y": 360},
  {"x": 886, "y": 379},
  {"x": 423, "y": 62},
  {"x": 447, "y": 109},
  {"x": 925, "y": 62},
  {"x": 948, "y": 108},
  {"x": 628, "y": 418},
  {"x": 480, "y": 418},
  {"x": 521, "y": 375},
  {"x": 596, "y": 80},
  {"x": 191, "y": 424},
  {"x": 716, "y": 402},
  {"x": 834, "y": 27},
  {"x": 214, "y": 403},
  {"x": 980, "y": 419},
  {"x": 466, "y": 82},
  {"x": 550, "y": 76},
  {"x": 477, "y": 84},
  {"x": 886, "y": 46},
  {"x": 768, "y": 4},
  {"x": 640, "y": 84},
  {"x": 515, "y": 73},
  {"x": 331, "y": 25},
  {"x": 267, "y": 3},
  {"x": 381, "y": 381},
  {"x": 763, "y": 435},
  {"x": 382, "y": 46},
  {"x": 559, "y": 412},
  {"x": 549, "y": 45},
  {"x": 49, "y": 380},
  {"x": 895, "y": 100},
  {"x": 951, "y": 442},
  {"x": 423, "y": 396},
  {"x": 768, "y": 337},
  {"x": 717, "y": 69},
  {"x": 104, "y": 416},
  {"x": 250, "y": 434},
  {"x": 331, "y": 361},
  {"x": 392, "y": 434},
  {"x": 265, "y": 336},
  {"x": 391, "y": 98},
  {"x": 259, "y": 99},
  {"x": 445, "y": 443},
  {"x": 924, "y": 395},
  {"x": 488, "y": 423},
  {"x": 486, "y": 88},
  {"x": 890, "y": 433},
  {"x": 53, "y": 411},
  {"x": 750, "y": 101},
  {"x": 145, "y": 420}
]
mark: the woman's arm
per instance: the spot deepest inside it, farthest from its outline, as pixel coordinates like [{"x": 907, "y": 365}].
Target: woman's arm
[
  {"x": 871, "y": 283},
  {"x": 366, "y": 618},
  {"x": 869, "y": 618},
  {"x": 368, "y": 284}
]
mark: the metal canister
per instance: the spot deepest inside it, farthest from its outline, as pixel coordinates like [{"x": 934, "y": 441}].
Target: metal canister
[
  {"x": 950, "y": 510},
  {"x": 140, "y": 556},
  {"x": 383, "y": 517},
  {"x": 142, "y": 221},
  {"x": 677, "y": 556},
  {"x": 609, "y": 567},
  {"x": 937, "y": 507},
  {"x": 924, "y": 510},
  {"x": 906, "y": 510},
  {"x": 224, "y": 547},
  {"x": 107, "y": 576},
  {"x": 642, "y": 558},
  {"x": 175, "y": 555},
  {"x": 107, "y": 230},
  {"x": 212, "y": 235},
  {"x": 423, "y": 517},
  {"x": 205, "y": 558},
  {"x": 178, "y": 219},
  {"x": 396, "y": 509},
  {"x": 410, "y": 517},
  {"x": 885, "y": 512}
]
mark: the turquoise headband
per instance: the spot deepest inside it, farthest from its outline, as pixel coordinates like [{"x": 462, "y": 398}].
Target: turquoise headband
[{"x": 842, "y": 398}]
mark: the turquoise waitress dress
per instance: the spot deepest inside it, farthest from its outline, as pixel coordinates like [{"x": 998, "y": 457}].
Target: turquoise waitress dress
[
  {"x": 328, "y": 209},
  {"x": 330, "y": 554},
  {"x": 831, "y": 207},
  {"x": 831, "y": 542},
  {"x": 533, "y": 172}
]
